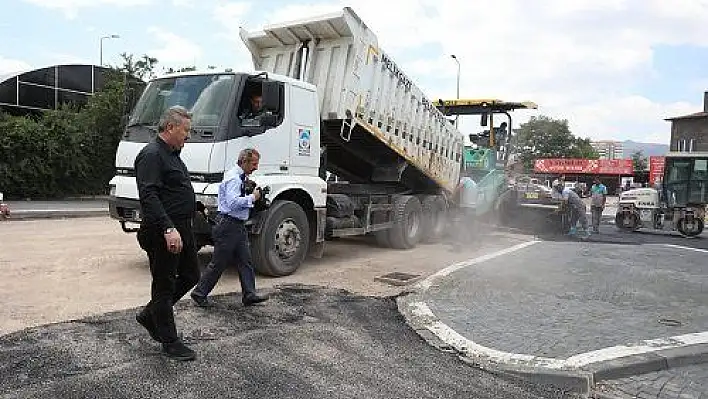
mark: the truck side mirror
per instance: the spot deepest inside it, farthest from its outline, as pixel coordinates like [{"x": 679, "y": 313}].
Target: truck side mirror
[
  {"x": 271, "y": 96},
  {"x": 483, "y": 119}
]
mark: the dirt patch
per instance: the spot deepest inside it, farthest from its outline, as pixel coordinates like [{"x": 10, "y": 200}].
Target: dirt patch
[{"x": 64, "y": 269}]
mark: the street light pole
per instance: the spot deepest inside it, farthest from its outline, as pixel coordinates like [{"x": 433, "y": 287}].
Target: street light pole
[
  {"x": 100, "y": 47},
  {"x": 457, "y": 117}
]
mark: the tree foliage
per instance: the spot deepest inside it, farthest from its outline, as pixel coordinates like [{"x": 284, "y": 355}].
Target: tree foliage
[
  {"x": 70, "y": 150},
  {"x": 143, "y": 68},
  {"x": 545, "y": 137},
  {"x": 639, "y": 161}
]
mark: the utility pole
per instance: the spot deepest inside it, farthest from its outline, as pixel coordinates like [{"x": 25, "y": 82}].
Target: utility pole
[
  {"x": 457, "y": 117},
  {"x": 100, "y": 47}
]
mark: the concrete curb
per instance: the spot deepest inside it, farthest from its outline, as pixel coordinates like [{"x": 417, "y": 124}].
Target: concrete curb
[
  {"x": 577, "y": 374},
  {"x": 576, "y": 381},
  {"x": 644, "y": 363},
  {"x": 36, "y": 214}
]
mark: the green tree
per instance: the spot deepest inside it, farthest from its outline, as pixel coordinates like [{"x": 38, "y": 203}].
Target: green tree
[
  {"x": 639, "y": 161},
  {"x": 182, "y": 69},
  {"x": 545, "y": 137},
  {"x": 143, "y": 68}
]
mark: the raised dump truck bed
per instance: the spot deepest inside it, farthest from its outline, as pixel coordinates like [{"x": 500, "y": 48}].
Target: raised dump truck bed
[{"x": 377, "y": 125}]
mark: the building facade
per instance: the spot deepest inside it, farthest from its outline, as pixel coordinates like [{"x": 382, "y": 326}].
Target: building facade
[
  {"x": 48, "y": 88},
  {"x": 689, "y": 133},
  {"x": 608, "y": 149}
]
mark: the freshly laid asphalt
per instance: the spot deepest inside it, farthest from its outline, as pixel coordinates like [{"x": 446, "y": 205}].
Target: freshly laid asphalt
[
  {"x": 544, "y": 307},
  {"x": 558, "y": 299},
  {"x": 306, "y": 342}
]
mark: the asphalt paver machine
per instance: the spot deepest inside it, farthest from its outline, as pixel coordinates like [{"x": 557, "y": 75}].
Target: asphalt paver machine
[{"x": 488, "y": 158}]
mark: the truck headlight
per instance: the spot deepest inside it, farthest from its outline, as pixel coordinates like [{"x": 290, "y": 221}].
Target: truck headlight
[
  {"x": 112, "y": 191},
  {"x": 209, "y": 201}
]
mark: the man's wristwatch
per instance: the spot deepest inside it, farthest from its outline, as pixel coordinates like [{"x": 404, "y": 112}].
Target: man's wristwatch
[{"x": 170, "y": 230}]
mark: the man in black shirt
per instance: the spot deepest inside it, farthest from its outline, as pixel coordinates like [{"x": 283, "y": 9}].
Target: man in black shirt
[{"x": 168, "y": 204}]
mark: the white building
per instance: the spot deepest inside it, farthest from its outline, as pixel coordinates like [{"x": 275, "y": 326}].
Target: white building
[{"x": 609, "y": 149}]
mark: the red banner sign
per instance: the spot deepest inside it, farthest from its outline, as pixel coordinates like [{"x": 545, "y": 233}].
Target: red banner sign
[
  {"x": 585, "y": 166},
  {"x": 656, "y": 169}
]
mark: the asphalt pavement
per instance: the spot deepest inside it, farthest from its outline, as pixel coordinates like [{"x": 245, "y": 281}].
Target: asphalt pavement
[
  {"x": 577, "y": 312},
  {"x": 306, "y": 342}
]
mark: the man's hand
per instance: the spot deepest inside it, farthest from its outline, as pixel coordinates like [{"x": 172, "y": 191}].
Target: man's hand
[
  {"x": 256, "y": 194},
  {"x": 173, "y": 241}
]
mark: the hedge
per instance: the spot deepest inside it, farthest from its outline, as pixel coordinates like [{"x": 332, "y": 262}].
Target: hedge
[{"x": 63, "y": 152}]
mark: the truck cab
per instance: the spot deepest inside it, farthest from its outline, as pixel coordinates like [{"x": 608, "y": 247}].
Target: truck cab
[{"x": 285, "y": 131}]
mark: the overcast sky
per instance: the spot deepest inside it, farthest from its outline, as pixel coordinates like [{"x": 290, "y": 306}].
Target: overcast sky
[{"x": 613, "y": 68}]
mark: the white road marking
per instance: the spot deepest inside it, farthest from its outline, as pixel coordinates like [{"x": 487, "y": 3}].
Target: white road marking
[
  {"x": 468, "y": 347},
  {"x": 687, "y": 248},
  {"x": 647, "y": 346},
  {"x": 428, "y": 282}
]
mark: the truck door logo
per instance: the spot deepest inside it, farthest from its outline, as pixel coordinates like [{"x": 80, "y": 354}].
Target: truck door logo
[{"x": 303, "y": 142}]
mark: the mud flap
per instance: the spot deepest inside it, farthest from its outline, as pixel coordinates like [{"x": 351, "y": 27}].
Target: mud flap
[
  {"x": 317, "y": 246},
  {"x": 317, "y": 249}
]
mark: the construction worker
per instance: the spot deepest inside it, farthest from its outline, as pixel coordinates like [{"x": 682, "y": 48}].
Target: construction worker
[
  {"x": 576, "y": 205},
  {"x": 598, "y": 193}
]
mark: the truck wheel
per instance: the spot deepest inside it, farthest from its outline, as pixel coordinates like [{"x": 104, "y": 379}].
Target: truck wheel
[
  {"x": 434, "y": 218},
  {"x": 282, "y": 245},
  {"x": 627, "y": 221},
  {"x": 690, "y": 229},
  {"x": 407, "y": 229}
]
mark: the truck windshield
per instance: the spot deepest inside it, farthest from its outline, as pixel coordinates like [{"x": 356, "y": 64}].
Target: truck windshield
[{"x": 206, "y": 96}]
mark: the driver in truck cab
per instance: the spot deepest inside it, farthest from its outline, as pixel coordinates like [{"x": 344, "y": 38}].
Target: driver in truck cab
[{"x": 251, "y": 115}]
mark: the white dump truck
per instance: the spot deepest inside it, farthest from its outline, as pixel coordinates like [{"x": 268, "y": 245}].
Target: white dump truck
[{"x": 349, "y": 144}]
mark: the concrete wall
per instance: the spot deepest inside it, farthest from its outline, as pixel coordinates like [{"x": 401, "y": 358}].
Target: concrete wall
[{"x": 689, "y": 129}]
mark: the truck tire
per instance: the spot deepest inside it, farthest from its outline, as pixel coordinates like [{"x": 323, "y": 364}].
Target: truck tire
[
  {"x": 407, "y": 227},
  {"x": 282, "y": 245},
  {"x": 627, "y": 222},
  {"x": 435, "y": 218},
  {"x": 690, "y": 229}
]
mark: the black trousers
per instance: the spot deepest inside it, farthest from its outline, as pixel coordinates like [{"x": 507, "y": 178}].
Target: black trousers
[
  {"x": 173, "y": 275},
  {"x": 231, "y": 247}
]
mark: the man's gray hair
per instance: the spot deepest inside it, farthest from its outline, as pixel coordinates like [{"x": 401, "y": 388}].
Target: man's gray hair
[
  {"x": 246, "y": 155},
  {"x": 174, "y": 115}
]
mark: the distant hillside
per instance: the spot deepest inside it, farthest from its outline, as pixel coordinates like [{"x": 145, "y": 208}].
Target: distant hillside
[{"x": 648, "y": 149}]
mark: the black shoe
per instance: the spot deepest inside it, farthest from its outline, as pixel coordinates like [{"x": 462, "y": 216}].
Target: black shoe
[
  {"x": 201, "y": 301},
  {"x": 179, "y": 351},
  {"x": 253, "y": 299},
  {"x": 146, "y": 322}
]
